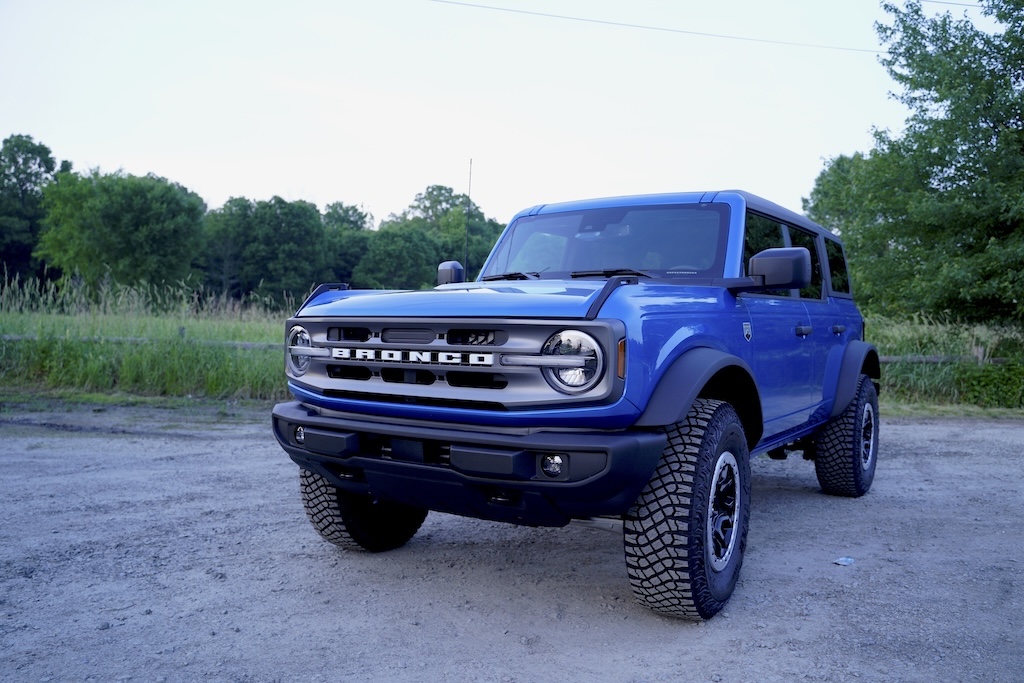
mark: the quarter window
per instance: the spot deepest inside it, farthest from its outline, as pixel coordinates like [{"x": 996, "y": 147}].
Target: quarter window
[{"x": 837, "y": 267}]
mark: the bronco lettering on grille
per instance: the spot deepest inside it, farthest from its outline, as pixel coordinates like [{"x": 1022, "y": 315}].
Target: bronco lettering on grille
[{"x": 397, "y": 356}]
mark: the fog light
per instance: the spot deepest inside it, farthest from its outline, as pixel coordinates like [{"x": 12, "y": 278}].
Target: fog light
[
  {"x": 551, "y": 465},
  {"x": 300, "y": 435}
]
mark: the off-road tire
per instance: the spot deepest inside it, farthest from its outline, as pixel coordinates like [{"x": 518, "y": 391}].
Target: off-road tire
[
  {"x": 846, "y": 449},
  {"x": 677, "y": 564},
  {"x": 357, "y": 522}
]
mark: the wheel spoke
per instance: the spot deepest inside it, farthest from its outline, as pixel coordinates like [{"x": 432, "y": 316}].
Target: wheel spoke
[{"x": 722, "y": 534}]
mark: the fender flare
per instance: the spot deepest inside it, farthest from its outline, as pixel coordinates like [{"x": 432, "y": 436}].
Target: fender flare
[
  {"x": 860, "y": 358},
  {"x": 688, "y": 377}
]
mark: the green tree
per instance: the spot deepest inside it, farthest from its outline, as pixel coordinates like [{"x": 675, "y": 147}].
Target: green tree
[
  {"x": 284, "y": 252},
  {"x": 456, "y": 225},
  {"x": 132, "y": 229},
  {"x": 348, "y": 230},
  {"x": 401, "y": 255},
  {"x": 434, "y": 203},
  {"x": 934, "y": 217},
  {"x": 225, "y": 233},
  {"x": 25, "y": 167}
]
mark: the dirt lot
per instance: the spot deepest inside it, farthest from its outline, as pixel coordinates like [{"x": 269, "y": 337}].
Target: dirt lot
[{"x": 148, "y": 544}]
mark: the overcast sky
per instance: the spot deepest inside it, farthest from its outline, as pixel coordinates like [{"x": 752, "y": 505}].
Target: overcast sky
[{"x": 369, "y": 102}]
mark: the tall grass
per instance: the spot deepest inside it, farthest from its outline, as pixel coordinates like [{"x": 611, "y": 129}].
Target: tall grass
[
  {"x": 967, "y": 375},
  {"x": 48, "y": 309},
  {"x": 147, "y": 340},
  {"x": 162, "y": 368}
]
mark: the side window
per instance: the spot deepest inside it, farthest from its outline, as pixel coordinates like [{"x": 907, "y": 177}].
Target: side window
[
  {"x": 837, "y": 267},
  {"x": 763, "y": 233},
  {"x": 802, "y": 238}
]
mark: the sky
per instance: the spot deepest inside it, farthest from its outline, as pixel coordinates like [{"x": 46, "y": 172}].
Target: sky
[{"x": 515, "y": 102}]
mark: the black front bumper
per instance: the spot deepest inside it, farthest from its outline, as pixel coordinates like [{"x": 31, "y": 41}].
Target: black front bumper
[{"x": 484, "y": 474}]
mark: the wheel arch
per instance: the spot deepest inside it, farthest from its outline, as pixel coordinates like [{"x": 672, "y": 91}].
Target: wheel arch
[
  {"x": 860, "y": 358},
  {"x": 706, "y": 373}
]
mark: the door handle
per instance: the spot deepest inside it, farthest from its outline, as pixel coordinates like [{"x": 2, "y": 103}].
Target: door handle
[
  {"x": 838, "y": 329},
  {"x": 803, "y": 330}
]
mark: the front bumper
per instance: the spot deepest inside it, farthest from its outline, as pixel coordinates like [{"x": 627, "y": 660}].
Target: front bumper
[{"x": 486, "y": 474}]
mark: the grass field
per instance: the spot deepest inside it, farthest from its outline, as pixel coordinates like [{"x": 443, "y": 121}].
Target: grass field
[
  {"x": 168, "y": 341},
  {"x": 973, "y": 380},
  {"x": 150, "y": 341}
]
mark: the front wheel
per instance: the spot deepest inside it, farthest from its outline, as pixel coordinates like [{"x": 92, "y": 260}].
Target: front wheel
[
  {"x": 686, "y": 533},
  {"x": 846, "y": 450},
  {"x": 357, "y": 522}
]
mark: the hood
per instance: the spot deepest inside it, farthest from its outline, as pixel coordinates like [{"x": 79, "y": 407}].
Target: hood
[{"x": 527, "y": 298}]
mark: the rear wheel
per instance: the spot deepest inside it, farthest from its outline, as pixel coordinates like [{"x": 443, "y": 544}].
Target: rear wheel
[
  {"x": 685, "y": 535},
  {"x": 846, "y": 449},
  {"x": 357, "y": 522}
]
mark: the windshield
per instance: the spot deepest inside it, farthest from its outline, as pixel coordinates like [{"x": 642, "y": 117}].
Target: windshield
[{"x": 662, "y": 241}]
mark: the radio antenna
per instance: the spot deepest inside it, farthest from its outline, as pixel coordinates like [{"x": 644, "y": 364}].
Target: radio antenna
[{"x": 469, "y": 202}]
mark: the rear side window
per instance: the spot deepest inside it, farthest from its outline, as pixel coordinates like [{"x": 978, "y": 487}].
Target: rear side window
[{"x": 837, "y": 267}]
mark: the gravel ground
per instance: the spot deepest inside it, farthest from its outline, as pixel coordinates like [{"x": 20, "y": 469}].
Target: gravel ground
[{"x": 149, "y": 544}]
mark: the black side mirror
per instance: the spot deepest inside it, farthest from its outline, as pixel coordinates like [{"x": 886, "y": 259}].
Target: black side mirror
[
  {"x": 782, "y": 268},
  {"x": 452, "y": 271}
]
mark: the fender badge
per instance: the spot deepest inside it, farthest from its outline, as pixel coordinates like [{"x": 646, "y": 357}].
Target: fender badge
[{"x": 747, "y": 334}]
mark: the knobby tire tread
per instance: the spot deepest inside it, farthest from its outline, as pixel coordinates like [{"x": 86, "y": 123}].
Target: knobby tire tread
[
  {"x": 837, "y": 454},
  {"x": 356, "y": 523},
  {"x": 657, "y": 535}
]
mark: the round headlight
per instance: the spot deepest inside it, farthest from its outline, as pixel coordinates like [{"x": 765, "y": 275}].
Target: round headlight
[
  {"x": 297, "y": 363},
  {"x": 583, "y": 361}
]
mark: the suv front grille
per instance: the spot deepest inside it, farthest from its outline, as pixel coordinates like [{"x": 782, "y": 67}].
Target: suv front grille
[
  {"x": 394, "y": 335},
  {"x": 406, "y": 376},
  {"x": 477, "y": 337},
  {"x": 446, "y": 362},
  {"x": 358, "y": 334}
]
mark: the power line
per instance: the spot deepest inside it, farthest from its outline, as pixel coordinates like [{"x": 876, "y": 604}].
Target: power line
[
  {"x": 656, "y": 28},
  {"x": 955, "y": 4}
]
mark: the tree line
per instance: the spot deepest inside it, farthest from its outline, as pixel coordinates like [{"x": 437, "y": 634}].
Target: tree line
[{"x": 98, "y": 227}]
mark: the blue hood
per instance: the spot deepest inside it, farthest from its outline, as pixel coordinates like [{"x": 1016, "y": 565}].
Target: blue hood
[{"x": 527, "y": 298}]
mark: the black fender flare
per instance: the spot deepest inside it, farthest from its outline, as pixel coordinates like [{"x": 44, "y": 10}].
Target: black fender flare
[
  {"x": 709, "y": 373},
  {"x": 860, "y": 358}
]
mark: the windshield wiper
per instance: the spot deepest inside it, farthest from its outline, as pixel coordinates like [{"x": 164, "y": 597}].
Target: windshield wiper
[
  {"x": 514, "y": 275},
  {"x": 610, "y": 272}
]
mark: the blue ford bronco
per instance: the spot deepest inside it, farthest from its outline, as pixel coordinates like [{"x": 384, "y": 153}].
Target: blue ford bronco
[{"x": 616, "y": 358}]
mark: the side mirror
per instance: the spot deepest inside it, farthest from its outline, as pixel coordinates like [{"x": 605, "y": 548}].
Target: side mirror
[
  {"x": 452, "y": 271},
  {"x": 782, "y": 268}
]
